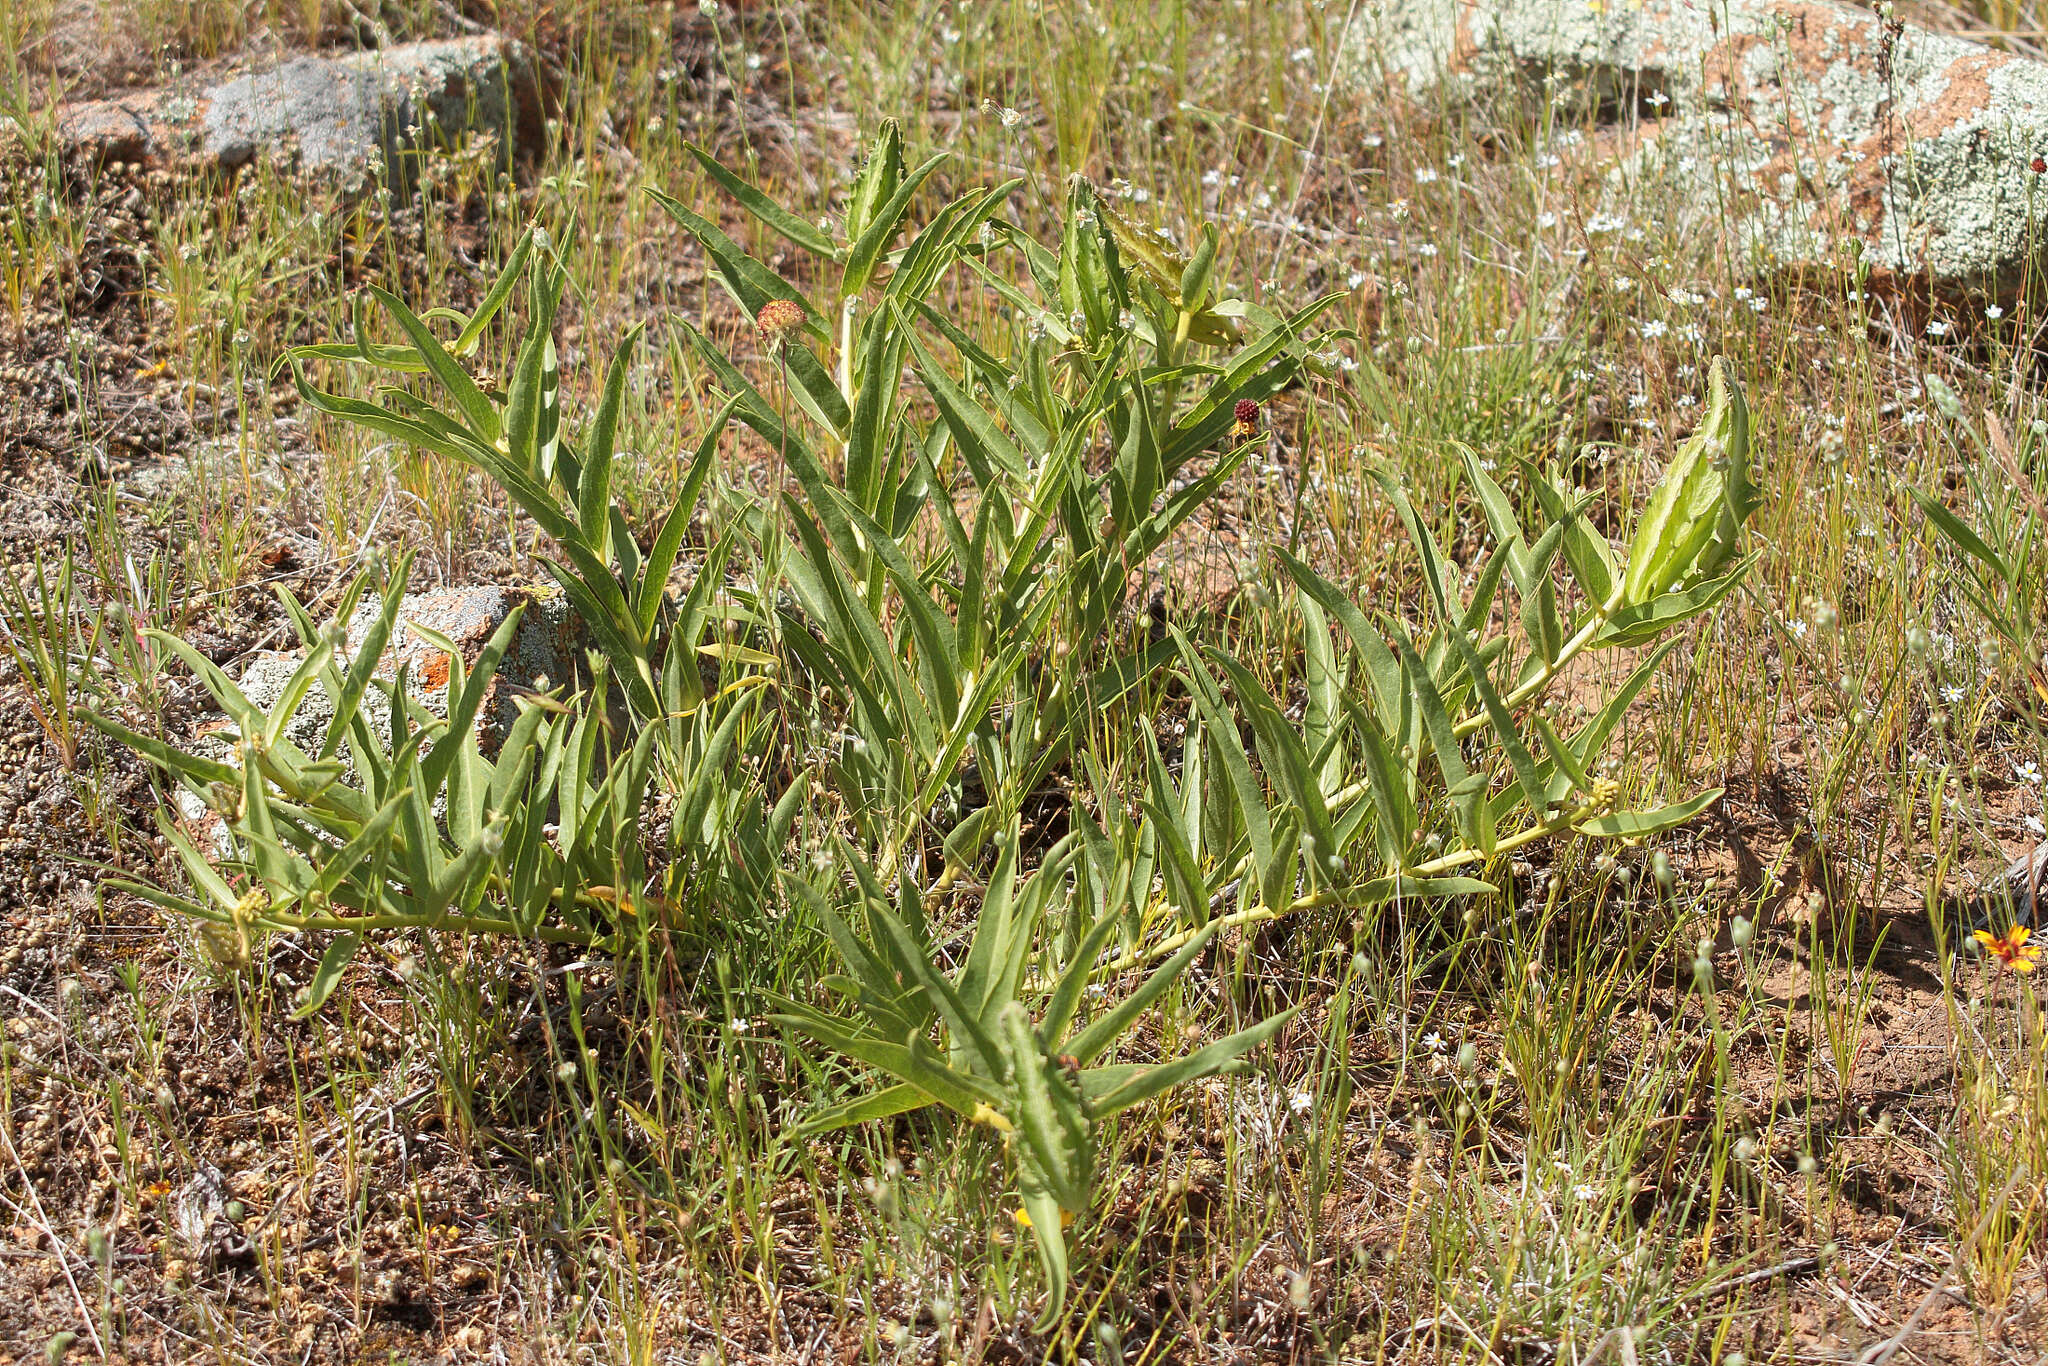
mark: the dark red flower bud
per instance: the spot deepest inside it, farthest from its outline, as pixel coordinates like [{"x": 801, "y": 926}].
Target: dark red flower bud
[
  {"x": 2039, "y": 165},
  {"x": 1247, "y": 424}
]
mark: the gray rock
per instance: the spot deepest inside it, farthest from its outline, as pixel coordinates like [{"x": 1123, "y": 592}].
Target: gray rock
[
  {"x": 1801, "y": 124},
  {"x": 333, "y": 115},
  {"x": 547, "y": 645}
]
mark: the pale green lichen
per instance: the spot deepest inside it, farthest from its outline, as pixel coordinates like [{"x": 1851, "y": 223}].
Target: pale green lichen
[{"x": 1917, "y": 147}]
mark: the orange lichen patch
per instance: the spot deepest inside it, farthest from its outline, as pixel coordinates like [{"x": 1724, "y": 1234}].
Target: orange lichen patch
[{"x": 434, "y": 666}]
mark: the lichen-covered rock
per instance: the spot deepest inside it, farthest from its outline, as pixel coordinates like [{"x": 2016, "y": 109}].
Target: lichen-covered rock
[
  {"x": 333, "y": 115},
  {"x": 547, "y": 645},
  {"x": 546, "y": 649},
  {"x": 1801, "y": 124}
]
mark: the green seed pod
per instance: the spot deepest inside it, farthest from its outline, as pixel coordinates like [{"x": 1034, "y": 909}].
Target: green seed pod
[{"x": 1693, "y": 524}]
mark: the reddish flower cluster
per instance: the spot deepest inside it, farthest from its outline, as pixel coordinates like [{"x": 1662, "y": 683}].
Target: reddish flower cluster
[
  {"x": 779, "y": 317},
  {"x": 1247, "y": 425}
]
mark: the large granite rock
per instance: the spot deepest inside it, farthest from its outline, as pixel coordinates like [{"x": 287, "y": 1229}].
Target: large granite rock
[
  {"x": 1802, "y": 124},
  {"x": 334, "y": 115}
]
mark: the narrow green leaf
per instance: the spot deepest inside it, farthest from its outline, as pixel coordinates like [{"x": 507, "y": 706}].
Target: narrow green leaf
[
  {"x": 1636, "y": 824},
  {"x": 1959, "y": 534},
  {"x": 1191, "y": 1067},
  {"x": 594, "y": 484},
  {"x": 886, "y": 1103},
  {"x": 477, "y": 410},
  {"x": 327, "y": 976},
  {"x": 868, "y": 248},
  {"x": 792, "y": 228}
]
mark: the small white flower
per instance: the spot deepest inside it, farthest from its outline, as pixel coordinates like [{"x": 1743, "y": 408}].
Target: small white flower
[
  {"x": 1652, "y": 328},
  {"x": 741, "y": 1024},
  {"x": 1993, "y": 312},
  {"x": 1302, "y": 54},
  {"x": 1301, "y": 1102},
  {"x": 1583, "y": 1191},
  {"x": 1952, "y": 693},
  {"x": 1433, "y": 1041},
  {"x": 1938, "y": 328},
  {"x": 2028, "y": 772},
  {"x": 1425, "y": 176},
  {"x": 1546, "y": 220},
  {"x": 1427, "y": 249},
  {"x": 1797, "y": 627}
]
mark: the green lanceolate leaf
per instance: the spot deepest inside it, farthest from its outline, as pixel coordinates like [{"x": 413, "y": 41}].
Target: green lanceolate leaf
[
  {"x": 912, "y": 1062},
  {"x": 1092, "y": 1042},
  {"x": 1585, "y": 549},
  {"x": 1500, "y": 517},
  {"x": 1636, "y": 824},
  {"x": 875, "y": 236},
  {"x": 886, "y": 1103},
  {"x": 668, "y": 541},
  {"x": 1505, "y": 734},
  {"x": 478, "y": 411},
  {"x": 594, "y": 484},
  {"x": 1203, "y": 1062},
  {"x": 792, "y": 228},
  {"x": 1051, "y": 1115},
  {"x": 1645, "y": 621},
  {"x": 879, "y": 177},
  {"x": 327, "y": 976},
  {"x": 1959, "y": 534}
]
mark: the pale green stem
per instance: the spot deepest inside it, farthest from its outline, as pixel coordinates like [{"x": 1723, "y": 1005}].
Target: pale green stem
[
  {"x": 1253, "y": 915},
  {"x": 846, "y": 351},
  {"x": 459, "y": 924},
  {"x": 1549, "y": 672}
]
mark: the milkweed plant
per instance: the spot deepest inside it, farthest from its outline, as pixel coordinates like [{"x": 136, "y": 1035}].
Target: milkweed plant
[{"x": 840, "y": 701}]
